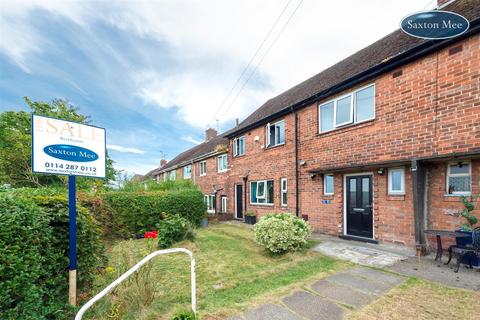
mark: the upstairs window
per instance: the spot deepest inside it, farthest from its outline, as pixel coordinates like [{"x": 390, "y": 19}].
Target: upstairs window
[
  {"x": 239, "y": 146},
  {"x": 459, "y": 178},
  {"x": 355, "y": 107},
  {"x": 396, "y": 181},
  {"x": 275, "y": 134},
  {"x": 261, "y": 192},
  {"x": 187, "y": 172},
  {"x": 222, "y": 163},
  {"x": 203, "y": 168}
]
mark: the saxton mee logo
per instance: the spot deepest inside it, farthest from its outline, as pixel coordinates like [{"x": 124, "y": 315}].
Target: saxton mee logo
[
  {"x": 434, "y": 24},
  {"x": 70, "y": 153}
]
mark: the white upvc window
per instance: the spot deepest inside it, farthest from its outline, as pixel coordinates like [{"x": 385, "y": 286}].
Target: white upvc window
[
  {"x": 355, "y": 107},
  {"x": 265, "y": 187},
  {"x": 173, "y": 175},
  {"x": 275, "y": 134},
  {"x": 283, "y": 192},
  {"x": 203, "y": 168},
  {"x": 328, "y": 184},
  {"x": 396, "y": 181},
  {"x": 187, "y": 172},
  {"x": 459, "y": 178},
  {"x": 165, "y": 176},
  {"x": 222, "y": 164},
  {"x": 224, "y": 204},
  {"x": 210, "y": 201},
  {"x": 239, "y": 146}
]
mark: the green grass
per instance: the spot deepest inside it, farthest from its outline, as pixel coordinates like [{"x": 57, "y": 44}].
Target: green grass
[
  {"x": 233, "y": 273},
  {"x": 420, "y": 299}
]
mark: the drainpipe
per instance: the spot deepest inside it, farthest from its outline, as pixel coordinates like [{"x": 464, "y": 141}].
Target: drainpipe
[
  {"x": 297, "y": 191},
  {"x": 193, "y": 171},
  {"x": 245, "y": 193}
]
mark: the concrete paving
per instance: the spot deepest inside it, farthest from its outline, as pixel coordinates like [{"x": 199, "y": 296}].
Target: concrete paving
[{"x": 329, "y": 298}]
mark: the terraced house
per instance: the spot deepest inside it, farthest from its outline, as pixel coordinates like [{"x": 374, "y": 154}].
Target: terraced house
[{"x": 378, "y": 147}]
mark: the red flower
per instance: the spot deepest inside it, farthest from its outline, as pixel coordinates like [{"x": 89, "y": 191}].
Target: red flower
[{"x": 151, "y": 234}]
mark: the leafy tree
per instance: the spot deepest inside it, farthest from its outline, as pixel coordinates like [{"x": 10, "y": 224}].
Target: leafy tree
[{"x": 16, "y": 144}]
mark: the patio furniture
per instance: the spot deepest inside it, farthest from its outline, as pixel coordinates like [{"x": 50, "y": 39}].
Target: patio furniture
[
  {"x": 468, "y": 250},
  {"x": 443, "y": 233}
]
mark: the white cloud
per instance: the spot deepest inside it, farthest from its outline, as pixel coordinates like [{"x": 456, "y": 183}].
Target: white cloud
[
  {"x": 124, "y": 149},
  {"x": 191, "y": 139},
  {"x": 210, "y": 42}
]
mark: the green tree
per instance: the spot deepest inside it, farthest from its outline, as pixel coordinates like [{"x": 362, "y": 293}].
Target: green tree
[{"x": 16, "y": 144}]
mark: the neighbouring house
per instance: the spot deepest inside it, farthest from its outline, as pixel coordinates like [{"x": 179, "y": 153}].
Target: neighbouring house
[
  {"x": 207, "y": 165},
  {"x": 378, "y": 147}
]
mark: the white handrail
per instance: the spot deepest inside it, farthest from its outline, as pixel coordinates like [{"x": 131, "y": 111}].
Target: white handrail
[{"x": 124, "y": 276}]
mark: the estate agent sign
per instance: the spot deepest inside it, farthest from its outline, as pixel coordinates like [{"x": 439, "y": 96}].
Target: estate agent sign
[
  {"x": 68, "y": 148},
  {"x": 435, "y": 24},
  {"x": 73, "y": 149}
]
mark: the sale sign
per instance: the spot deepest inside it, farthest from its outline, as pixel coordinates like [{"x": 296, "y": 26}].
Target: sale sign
[{"x": 68, "y": 148}]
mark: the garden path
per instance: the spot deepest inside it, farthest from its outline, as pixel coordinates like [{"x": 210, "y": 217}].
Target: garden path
[{"x": 329, "y": 298}]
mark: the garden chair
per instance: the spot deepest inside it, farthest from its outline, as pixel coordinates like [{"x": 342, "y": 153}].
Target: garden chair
[{"x": 469, "y": 250}]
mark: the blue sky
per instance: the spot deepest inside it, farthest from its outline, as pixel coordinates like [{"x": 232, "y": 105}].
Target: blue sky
[{"x": 154, "y": 73}]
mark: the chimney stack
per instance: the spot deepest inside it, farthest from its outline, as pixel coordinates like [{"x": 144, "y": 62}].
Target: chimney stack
[
  {"x": 163, "y": 162},
  {"x": 210, "y": 133}
]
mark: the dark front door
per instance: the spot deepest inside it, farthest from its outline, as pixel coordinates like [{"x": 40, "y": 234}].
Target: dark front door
[
  {"x": 239, "y": 201},
  {"x": 359, "y": 206}
]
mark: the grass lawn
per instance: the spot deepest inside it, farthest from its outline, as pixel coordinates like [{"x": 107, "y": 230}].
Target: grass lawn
[
  {"x": 419, "y": 299},
  {"x": 233, "y": 273}
]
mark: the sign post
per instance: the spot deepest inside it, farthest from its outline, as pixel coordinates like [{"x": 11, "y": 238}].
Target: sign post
[
  {"x": 73, "y": 149},
  {"x": 72, "y": 231}
]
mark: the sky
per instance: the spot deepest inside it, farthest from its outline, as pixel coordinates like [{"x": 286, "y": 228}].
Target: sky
[{"x": 156, "y": 74}]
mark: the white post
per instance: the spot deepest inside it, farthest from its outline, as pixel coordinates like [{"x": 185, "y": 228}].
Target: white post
[{"x": 132, "y": 270}]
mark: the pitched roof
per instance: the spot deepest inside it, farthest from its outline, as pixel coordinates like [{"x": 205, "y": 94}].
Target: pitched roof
[
  {"x": 202, "y": 150},
  {"x": 376, "y": 54}
]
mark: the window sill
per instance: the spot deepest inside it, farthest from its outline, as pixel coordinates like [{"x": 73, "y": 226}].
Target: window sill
[
  {"x": 222, "y": 171},
  {"x": 239, "y": 156},
  {"x": 262, "y": 204},
  {"x": 275, "y": 146},
  {"x": 202, "y": 175},
  {"x": 454, "y": 197},
  {"x": 396, "y": 197},
  {"x": 348, "y": 127},
  {"x": 328, "y": 196}
]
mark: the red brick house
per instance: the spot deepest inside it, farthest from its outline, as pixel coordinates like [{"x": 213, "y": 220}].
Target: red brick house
[
  {"x": 207, "y": 166},
  {"x": 378, "y": 147}
]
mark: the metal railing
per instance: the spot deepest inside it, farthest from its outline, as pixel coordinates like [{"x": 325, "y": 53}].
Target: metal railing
[{"x": 132, "y": 270}]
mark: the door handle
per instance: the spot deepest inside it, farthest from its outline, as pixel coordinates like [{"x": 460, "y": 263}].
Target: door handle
[{"x": 358, "y": 210}]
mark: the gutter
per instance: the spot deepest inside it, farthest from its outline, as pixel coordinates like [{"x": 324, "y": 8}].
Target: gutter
[{"x": 401, "y": 59}]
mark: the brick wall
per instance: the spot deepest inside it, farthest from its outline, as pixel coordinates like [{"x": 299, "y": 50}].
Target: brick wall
[{"x": 261, "y": 163}]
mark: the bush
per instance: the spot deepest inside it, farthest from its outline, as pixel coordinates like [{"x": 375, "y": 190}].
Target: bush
[
  {"x": 282, "y": 232},
  {"x": 137, "y": 212},
  {"x": 34, "y": 249},
  {"x": 152, "y": 185},
  {"x": 184, "y": 315},
  {"x": 173, "y": 229}
]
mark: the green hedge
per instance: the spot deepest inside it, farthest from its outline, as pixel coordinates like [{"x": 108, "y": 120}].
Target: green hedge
[
  {"x": 34, "y": 249},
  {"x": 136, "y": 212}
]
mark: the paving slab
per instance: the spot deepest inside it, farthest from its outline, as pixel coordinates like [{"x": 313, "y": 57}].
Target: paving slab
[
  {"x": 376, "y": 275},
  {"x": 342, "y": 293},
  {"x": 359, "y": 254},
  {"x": 312, "y": 306},
  {"x": 269, "y": 312},
  {"x": 359, "y": 283}
]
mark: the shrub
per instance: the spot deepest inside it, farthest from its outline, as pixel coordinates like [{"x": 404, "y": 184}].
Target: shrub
[
  {"x": 34, "y": 254},
  {"x": 282, "y": 232},
  {"x": 184, "y": 315},
  {"x": 137, "y": 212},
  {"x": 173, "y": 229}
]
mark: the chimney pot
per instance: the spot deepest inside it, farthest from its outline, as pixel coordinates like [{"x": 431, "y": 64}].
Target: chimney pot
[
  {"x": 210, "y": 133},
  {"x": 163, "y": 162}
]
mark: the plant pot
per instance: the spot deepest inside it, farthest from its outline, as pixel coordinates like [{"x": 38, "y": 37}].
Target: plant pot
[
  {"x": 464, "y": 241},
  {"x": 250, "y": 220},
  {"x": 204, "y": 223}
]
